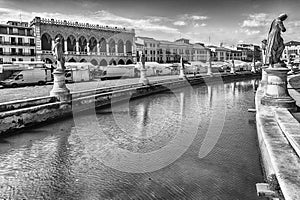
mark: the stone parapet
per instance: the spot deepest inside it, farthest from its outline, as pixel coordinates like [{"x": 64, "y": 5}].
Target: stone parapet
[
  {"x": 276, "y": 129},
  {"x": 79, "y": 25}
]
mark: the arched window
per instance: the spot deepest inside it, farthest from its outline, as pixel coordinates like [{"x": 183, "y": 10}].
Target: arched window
[
  {"x": 102, "y": 44},
  {"x": 46, "y": 42},
  {"x": 71, "y": 43},
  {"x": 112, "y": 46},
  {"x": 120, "y": 46}
]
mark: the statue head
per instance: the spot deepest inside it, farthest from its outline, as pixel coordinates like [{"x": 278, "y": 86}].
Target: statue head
[
  {"x": 57, "y": 39},
  {"x": 282, "y": 16}
]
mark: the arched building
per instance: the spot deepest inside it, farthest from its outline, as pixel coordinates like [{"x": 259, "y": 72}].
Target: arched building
[{"x": 83, "y": 42}]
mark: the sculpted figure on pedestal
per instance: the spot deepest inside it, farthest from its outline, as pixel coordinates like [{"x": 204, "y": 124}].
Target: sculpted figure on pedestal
[
  {"x": 275, "y": 45},
  {"x": 58, "y": 54}
]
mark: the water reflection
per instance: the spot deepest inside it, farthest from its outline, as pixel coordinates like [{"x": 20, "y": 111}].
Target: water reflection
[{"x": 88, "y": 159}]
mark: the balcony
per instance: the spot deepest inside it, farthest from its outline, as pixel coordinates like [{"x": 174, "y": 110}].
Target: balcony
[
  {"x": 17, "y": 43},
  {"x": 16, "y": 54}
]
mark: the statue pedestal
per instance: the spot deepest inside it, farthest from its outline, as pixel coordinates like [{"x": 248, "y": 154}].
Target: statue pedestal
[
  {"x": 209, "y": 71},
  {"x": 181, "y": 74},
  {"x": 232, "y": 70},
  {"x": 59, "y": 87},
  {"x": 276, "y": 93},
  {"x": 253, "y": 69},
  {"x": 143, "y": 78},
  {"x": 264, "y": 75}
]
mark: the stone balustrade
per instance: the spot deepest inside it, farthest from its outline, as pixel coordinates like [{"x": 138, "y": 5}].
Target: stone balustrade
[{"x": 79, "y": 25}]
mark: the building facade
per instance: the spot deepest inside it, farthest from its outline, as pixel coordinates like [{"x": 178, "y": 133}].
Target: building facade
[
  {"x": 17, "y": 42},
  {"x": 291, "y": 51},
  {"x": 170, "y": 52},
  {"x": 250, "y": 51},
  {"x": 83, "y": 42}
]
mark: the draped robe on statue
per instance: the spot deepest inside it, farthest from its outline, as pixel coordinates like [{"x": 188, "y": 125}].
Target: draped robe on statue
[{"x": 275, "y": 45}]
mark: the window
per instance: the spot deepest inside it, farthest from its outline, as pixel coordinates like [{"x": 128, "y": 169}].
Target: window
[
  {"x": 19, "y": 77},
  {"x": 22, "y": 31},
  {"x": 31, "y": 42},
  {"x": 32, "y": 52},
  {"x": 20, "y": 41},
  {"x": 3, "y": 30},
  {"x": 1, "y": 51},
  {"x": 13, "y": 59},
  {"x": 20, "y": 59},
  {"x": 20, "y": 52},
  {"x": 13, "y": 40},
  {"x": 13, "y": 51}
]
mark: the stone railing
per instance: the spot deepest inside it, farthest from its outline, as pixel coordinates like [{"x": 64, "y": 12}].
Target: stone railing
[{"x": 79, "y": 25}]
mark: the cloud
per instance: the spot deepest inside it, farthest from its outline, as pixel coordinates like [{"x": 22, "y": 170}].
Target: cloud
[
  {"x": 198, "y": 25},
  {"x": 179, "y": 23},
  {"x": 250, "y": 32},
  {"x": 196, "y": 17},
  {"x": 102, "y": 17},
  {"x": 257, "y": 20}
]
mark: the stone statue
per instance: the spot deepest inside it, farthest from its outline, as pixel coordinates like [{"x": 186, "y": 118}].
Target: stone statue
[
  {"x": 57, "y": 51},
  {"x": 275, "y": 45}
]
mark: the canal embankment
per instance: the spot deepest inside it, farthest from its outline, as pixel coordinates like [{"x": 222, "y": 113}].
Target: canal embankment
[
  {"x": 19, "y": 114},
  {"x": 279, "y": 141}
]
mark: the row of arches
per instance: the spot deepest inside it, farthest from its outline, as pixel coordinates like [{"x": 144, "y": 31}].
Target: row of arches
[
  {"x": 95, "y": 62},
  {"x": 85, "y": 45}
]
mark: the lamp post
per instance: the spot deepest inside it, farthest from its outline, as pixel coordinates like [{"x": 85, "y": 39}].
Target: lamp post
[{"x": 143, "y": 78}]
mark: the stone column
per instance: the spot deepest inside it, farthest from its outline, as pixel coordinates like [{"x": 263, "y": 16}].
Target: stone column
[
  {"x": 77, "y": 47},
  {"x": 88, "y": 48},
  {"x": 52, "y": 43},
  {"x": 276, "y": 93},
  {"x": 116, "y": 49},
  {"x": 98, "y": 48},
  {"x": 66, "y": 46},
  {"x": 107, "y": 49},
  {"x": 209, "y": 72},
  {"x": 143, "y": 78},
  {"x": 125, "y": 50}
]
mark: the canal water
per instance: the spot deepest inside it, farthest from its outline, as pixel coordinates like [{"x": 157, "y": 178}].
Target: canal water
[{"x": 197, "y": 142}]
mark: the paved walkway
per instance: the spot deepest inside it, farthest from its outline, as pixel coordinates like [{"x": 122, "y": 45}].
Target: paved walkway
[
  {"x": 10, "y": 94},
  {"x": 294, "y": 91}
]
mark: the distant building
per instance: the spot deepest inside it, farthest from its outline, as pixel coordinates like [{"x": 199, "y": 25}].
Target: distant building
[
  {"x": 84, "y": 42},
  {"x": 249, "y": 50},
  {"x": 291, "y": 51},
  {"x": 17, "y": 42},
  {"x": 170, "y": 52},
  {"x": 223, "y": 54}
]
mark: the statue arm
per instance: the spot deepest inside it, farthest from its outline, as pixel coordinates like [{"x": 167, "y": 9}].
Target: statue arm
[{"x": 281, "y": 26}]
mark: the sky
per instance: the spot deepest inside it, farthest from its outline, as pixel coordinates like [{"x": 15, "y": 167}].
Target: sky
[{"x": 207, "y": 21}]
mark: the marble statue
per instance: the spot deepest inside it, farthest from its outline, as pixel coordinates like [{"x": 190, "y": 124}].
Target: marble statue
[
  {"x": 59, "y": 54},
  {"x": 275, "y": 45}
]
